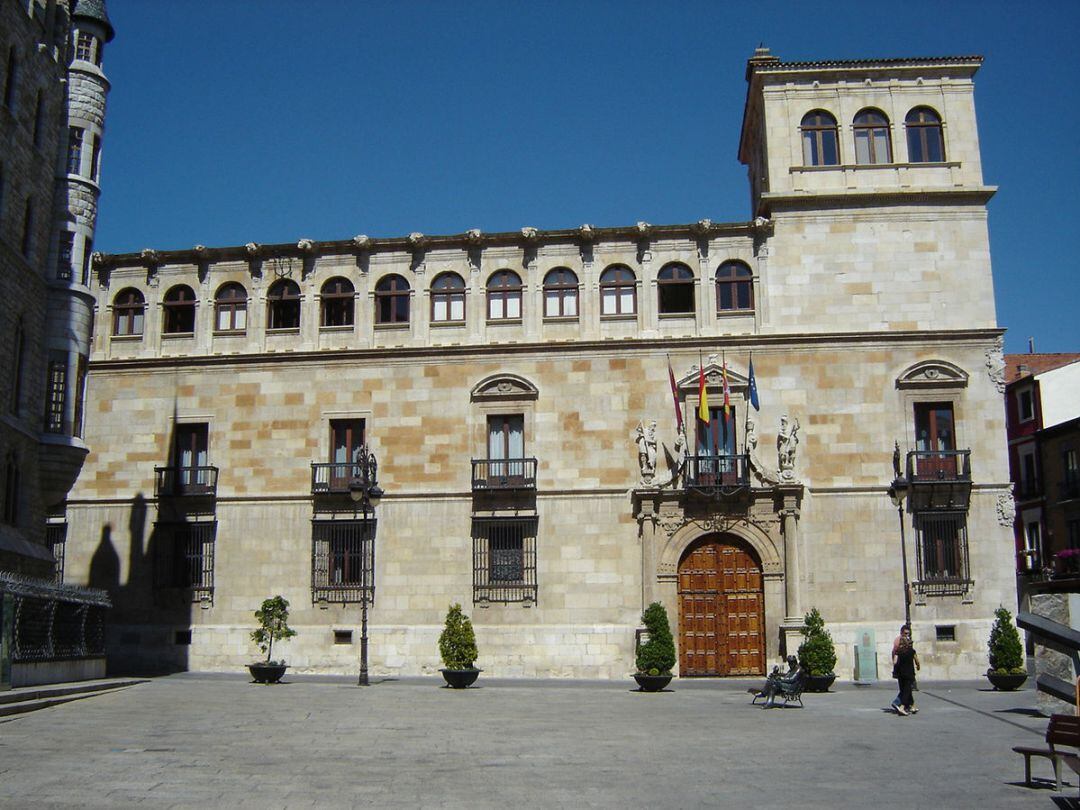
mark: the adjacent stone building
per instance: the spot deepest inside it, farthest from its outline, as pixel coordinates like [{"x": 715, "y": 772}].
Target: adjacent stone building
[
  {"x": 522, "y": 394},
  {"x": 52, "y": 110}
]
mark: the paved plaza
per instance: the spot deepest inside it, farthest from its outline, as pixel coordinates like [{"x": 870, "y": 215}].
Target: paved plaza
[{"x": 214, "y": 740}]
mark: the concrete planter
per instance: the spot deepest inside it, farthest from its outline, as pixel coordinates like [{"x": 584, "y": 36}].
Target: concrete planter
[
  {"x": 1006, "y": 682},
  {"x": 460, "y": 678},
  {"x": 651, "y": 683},
  {"x": 267, "y": 673}
]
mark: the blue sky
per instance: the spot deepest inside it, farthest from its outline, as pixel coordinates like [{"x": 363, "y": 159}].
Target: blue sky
[{"x": 268, "y": 121}]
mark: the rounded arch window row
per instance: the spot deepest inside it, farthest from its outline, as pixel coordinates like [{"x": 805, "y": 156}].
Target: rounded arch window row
[
  {"x": 872, "y": 137},
  {"x": 392, "y": 293}
]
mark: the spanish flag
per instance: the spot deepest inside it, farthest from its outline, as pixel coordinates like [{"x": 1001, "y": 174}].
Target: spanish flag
[
  {"x": 703, "y": 394},
  {"x": 727, "y": 394}
]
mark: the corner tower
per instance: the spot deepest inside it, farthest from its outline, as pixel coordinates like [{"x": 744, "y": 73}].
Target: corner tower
[{"x": 75, "y": 205}]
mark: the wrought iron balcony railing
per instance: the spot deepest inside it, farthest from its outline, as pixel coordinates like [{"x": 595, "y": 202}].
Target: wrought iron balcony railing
[
  {"x": 185, "y": 481},
  {"x": 726, "y": 472},
  {"x": 339, "y": 478},
  {"x": 503, "y": 473},
  {"x": 938, "y": 465}
]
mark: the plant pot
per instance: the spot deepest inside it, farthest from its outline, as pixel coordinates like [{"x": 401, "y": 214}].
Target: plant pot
[
  {"x": 1005, "y": 681},
  {"x": 819, "y": 683},
  {"x": 267, "y": 673},
  {"x": 651, "y": 683},
  {"x": 460, "y": 678}
]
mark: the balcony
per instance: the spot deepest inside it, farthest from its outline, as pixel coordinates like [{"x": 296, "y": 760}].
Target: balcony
[
  {"x": 939, "y": 479},
  {"x": 181, "y": 482},
  {"x": 339, "y": 478},
  {"x": 490, "y": 474},
  {"x": 724, "y": 474}
]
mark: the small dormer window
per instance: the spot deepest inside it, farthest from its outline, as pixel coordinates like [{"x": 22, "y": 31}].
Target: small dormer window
[{"x": 84, "y": 46}]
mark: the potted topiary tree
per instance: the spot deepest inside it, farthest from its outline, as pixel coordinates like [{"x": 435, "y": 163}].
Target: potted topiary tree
[
  {"x": 457, "y": 646},
  {"x": 656, "y": 656},
  {"x": 817, "y": 655},
  {"x": 273, "y": 618},
  {"x": 1007, "y": 670}
]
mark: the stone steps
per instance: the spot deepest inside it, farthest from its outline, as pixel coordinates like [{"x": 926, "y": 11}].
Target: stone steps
[{"x": 33, "y": 698}]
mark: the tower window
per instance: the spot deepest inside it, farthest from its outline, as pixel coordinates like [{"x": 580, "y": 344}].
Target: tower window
[
  {"x": 872, "y": 141},
  {"x": 65, "y": 246},
  {"x": 925, "y": 144},
  {"x": 819, "y": 139},
  {"x": 84, "y": 47},
  {"x": 74, "y": 157}
]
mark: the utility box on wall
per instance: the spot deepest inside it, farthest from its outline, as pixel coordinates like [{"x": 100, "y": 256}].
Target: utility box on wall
[{"x": 866, "y": 656}]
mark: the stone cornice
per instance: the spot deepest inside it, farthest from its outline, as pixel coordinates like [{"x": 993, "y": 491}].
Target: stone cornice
[
  {"x": 971, "y": 195},
  {"x": 471, "y": 239},
  {"x": 789, "y": 342}
]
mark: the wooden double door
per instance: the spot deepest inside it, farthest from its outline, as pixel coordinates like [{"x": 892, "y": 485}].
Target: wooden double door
[{"x": 721, "y": 610}]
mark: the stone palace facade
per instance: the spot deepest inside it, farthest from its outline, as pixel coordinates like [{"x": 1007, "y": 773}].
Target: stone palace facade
[{"x": 518, "y": 392}]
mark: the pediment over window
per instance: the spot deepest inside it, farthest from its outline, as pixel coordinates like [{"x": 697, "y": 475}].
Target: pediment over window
[
  {"x": 713, "y": 380},
  {"x": 933, "y": 374},
  {"x": 504, "y": 386}
]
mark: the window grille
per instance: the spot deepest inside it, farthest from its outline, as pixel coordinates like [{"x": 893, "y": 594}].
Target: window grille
[
  {"x": 504, "y": 559},
  {"x": 343, "y": 561},
  {"x": 941, "y": 553},
  {"x": 185, "y": 558},
  {"x": 54, "y": 415},
  {"x": 56, "y": 537}
]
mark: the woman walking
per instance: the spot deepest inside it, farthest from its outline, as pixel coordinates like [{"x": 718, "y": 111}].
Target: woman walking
[{"x": 905, "y": 662}]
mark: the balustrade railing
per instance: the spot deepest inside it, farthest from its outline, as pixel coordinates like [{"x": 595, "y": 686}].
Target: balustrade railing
[
  {"x": 503, "y": 473},
  {"x": 180, "y": 481}
]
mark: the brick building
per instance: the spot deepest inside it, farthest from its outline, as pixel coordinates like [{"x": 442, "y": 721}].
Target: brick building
[{"x": 519, "y": 392}]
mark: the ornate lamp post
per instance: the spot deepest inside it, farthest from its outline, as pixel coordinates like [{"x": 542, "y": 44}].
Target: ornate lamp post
[
  {"x": 365, "y": 491},
  {"x": 898, "y": 491}
]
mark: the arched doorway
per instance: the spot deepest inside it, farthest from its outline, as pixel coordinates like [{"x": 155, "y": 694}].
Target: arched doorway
[{"x": 721, "y": 609}]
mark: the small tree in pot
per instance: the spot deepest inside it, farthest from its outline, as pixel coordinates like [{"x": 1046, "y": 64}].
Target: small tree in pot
[
  {"x": 1007, "y": 670},
  {"x": 817, "y": 654},
  {"x": 656, "y": 656},
  {"x": 457, "y": 646},
  {"x": 273, "y": 618}
]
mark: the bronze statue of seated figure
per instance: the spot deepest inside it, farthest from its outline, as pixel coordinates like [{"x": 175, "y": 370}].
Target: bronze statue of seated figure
[{"x": 788, "y": 685}]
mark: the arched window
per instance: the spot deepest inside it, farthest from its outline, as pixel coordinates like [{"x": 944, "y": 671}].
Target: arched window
[
  {"x": 128, "y": 309},
  {"x": 560, "y": 293},
  {"x": 336, "y": 302},
  {"x": 283, "y": 305},
  {"x": 11, "y": 489},
  {"x": 924, "y": 141},
  {"x": 504, "y": 296},
  {"x": 675, "y": 287},
  {"x": 392, "y": 300},
  {"x": 448, "y": 298},
  {"x": 819, "y": 140},
  {"x": 179, "y": 305},
  {"x": 734, "y": 287},
  {"x": 230, "y": 308},
  {"x": 618, "y": 291},
  {"x": 872, "y": 142}
]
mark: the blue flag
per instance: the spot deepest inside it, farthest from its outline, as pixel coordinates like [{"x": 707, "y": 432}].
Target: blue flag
[{"x": 753, "y": 387}]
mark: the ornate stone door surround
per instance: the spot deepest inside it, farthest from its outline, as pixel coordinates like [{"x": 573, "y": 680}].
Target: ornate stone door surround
[{"x": 766, "y": 518}]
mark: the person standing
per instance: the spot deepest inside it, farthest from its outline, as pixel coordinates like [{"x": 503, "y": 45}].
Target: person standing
[{"x": 905, "y": 663}]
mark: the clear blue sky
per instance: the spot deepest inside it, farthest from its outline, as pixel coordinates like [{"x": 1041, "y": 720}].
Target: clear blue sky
[{"x": 268, "y": 121}]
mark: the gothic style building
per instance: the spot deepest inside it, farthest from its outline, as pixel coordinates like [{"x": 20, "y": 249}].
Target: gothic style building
[
  {"x": 741, "y": 420},
  {"x": 52, "y": 112}
]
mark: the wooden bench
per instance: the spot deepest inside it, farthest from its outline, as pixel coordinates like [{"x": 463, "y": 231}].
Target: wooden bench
[{"x": 1063, "y": 729}]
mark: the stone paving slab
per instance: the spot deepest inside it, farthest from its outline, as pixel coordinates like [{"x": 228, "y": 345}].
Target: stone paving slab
[{"x": 212, "y": 741}]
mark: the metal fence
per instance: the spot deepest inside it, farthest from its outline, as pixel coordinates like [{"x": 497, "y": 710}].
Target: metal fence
[{"x": 55, "y": 622}]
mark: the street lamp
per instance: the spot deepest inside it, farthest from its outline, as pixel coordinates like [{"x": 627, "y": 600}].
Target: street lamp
[
  {"x": 898, "y": 491},
  {"x": 365, "y": 491}
]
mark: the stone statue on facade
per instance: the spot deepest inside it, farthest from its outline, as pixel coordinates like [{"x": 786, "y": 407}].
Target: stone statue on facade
[
  {"x": 787, "y": 445},
  {"x": 646, "y": 444},
  {"x": 675, "y": 462}
]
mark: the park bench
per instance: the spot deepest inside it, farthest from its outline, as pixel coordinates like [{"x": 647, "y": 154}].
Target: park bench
[
  {"x": 1063, "y": 729},
  {"x": 791, "y": 691}
]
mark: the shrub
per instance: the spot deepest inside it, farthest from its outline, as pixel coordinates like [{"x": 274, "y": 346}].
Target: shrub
[
  {"x": 657, "y": 655},
  {"x": 273, "y": 618},
  {"x": 1006, "y": 651},
  {"x": 457, "y": 644},
  {"x": 817, "y": 655}
]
